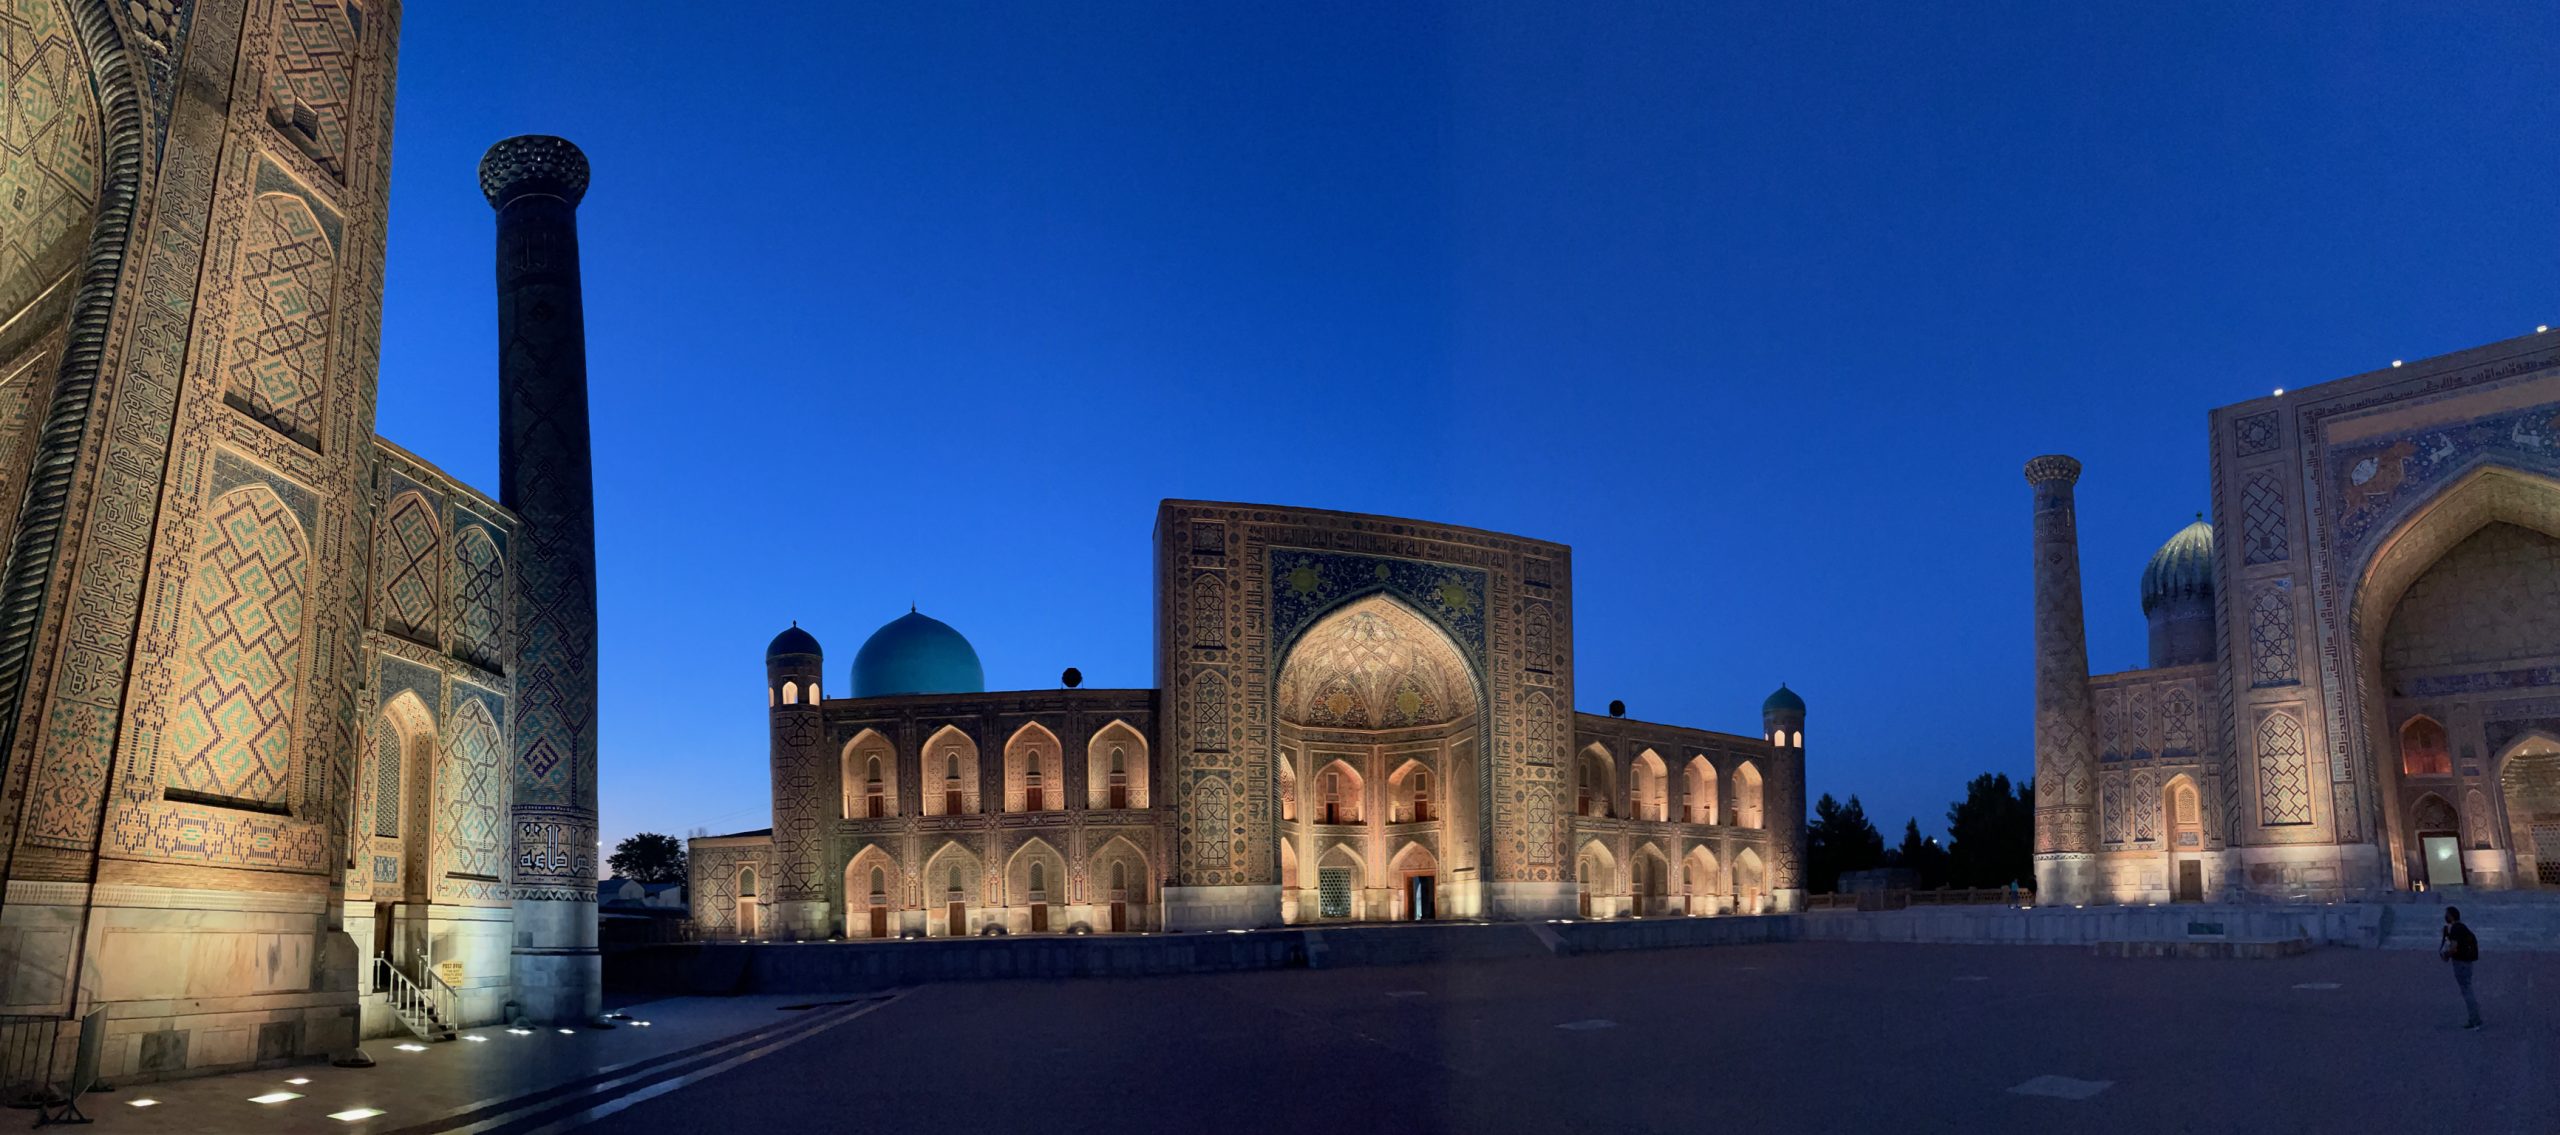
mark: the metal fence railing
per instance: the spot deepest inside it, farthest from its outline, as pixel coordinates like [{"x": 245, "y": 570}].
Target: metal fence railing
[{"x": 34, "y": 1072}]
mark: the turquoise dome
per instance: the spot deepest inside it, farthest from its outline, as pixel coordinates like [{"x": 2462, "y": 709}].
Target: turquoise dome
[
  {"x": 917, "y": 654},
  {"x": 2182, "y": 568},
  {"x": 1784, "y": 701}
]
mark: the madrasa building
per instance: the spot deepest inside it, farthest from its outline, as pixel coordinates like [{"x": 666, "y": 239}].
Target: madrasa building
[
  {"x": 299, "y": 729},
  {"x": 2354, "y": 685},
  {"x": 1355, "y": 718}
]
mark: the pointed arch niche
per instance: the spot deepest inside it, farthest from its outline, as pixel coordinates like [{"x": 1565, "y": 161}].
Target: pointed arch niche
[
  {"x": 1379, "y": 748},
  {"x": 2453, "y": 592}
]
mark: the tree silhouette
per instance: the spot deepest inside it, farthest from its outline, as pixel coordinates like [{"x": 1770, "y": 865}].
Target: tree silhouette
[
  {"x": 649, "y": 858},
  {"x": 1991, "y": 833},
  {"x": 1840, "y": 839}
]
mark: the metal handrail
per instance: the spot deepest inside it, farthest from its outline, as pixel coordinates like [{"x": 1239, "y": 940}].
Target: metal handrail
[{"x": 426, "y": 1009}]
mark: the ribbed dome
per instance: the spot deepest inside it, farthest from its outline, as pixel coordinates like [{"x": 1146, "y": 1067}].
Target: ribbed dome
[
  {"x": 1784, "y": 701},
  {"x": 2182, "y": 568},
  {"x": 917, "y": 654},
  {"x": 793, "y": 641}
]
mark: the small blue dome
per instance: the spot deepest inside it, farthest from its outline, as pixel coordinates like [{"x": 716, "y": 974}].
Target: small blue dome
[
  {"x": 2182, "y": 568},
  {"x": 1784, "y": 701},
  {"x": 793, "y": 641},
  {"x": 917, "y": 654}
]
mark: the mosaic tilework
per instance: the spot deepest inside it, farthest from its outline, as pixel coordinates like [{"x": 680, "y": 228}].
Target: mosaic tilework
[
  {"x": 2253, "y": 434},
  {"x": 277, "y": 359},
  {"x": 2284, "y": 774},
  {"x": 479, "y": 575},
  {"x": 311, "y": 77},
  {"x": 471, "y": 787},
  {"x": 2263, "y": 537},
  {"x": 405, "y": 563},
  {"x": 2373, "y": 482},
  {"x": 386, "y": 778},
  {"x": 2066, "y": 720},
  {"x": 231, "y": 731},
  {"x": 48, "y": 150},
  {"x": 2271, "y": 653}
]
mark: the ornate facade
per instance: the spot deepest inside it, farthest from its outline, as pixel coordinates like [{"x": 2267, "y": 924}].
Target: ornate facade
[
  {"x": 1356, "y": 718},
  {"x": 2375, "y": 703},
  {"x": 259, "y": 668}
]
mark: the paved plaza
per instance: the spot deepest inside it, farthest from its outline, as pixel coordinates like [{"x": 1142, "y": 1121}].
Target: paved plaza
[
  {"x": 1805, "y": 1037},
  {"x": 1810, "y": 1037}
]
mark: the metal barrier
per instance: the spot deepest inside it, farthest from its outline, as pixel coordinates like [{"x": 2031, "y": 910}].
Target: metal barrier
[
  {"x": 30, "y": 1073},
  {"x": 1898, "y": 899}
]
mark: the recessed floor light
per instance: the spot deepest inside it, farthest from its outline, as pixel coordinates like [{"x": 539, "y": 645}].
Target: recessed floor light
[
  {"x": 568, "y": 1032},
  {"x": 146, "y": 1102},
  {"x": 298, "y": 1081},
  {"x": 355, "y": 1113},
  {"x": 640, "y": 1024},
  {"x": 476, "y": 1038},
  {"x": 521, "y": 1032},
  {"x": 410, "y": 1047},
  {"x": 275, "y": 1097}
]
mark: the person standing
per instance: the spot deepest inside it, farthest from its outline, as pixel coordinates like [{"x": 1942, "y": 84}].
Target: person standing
[{"x": 2462, "y": 948}]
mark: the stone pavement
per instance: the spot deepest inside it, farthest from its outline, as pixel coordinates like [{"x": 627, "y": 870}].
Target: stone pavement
[
  {"x": 1797, "y": 1037},
  {"x": 504, "y": 1083}
]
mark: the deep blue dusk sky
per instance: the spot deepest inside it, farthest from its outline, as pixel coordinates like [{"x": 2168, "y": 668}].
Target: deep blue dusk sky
[{"x": 1758, "y": 309}]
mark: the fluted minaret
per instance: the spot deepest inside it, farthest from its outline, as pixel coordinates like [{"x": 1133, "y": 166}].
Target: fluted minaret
[
  {"x": 546, "y": 476},
  {"x": 2066, "y": 785}
]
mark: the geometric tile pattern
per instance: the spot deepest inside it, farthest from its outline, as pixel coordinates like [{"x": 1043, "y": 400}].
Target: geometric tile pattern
[
  {"x": 406, "y": 564},
  {"x": 2271, "y": 654},
  {"x": 471, "y": 787},
  {"x": 231, "y": 729},
  {"x": 2065, "y": 721},
  {"x": 2255, "y": 433},
  {"x": 278, "y": 353},
  {"x": 387, "y": 744},
  {"x": 311, "y": 75},
  {"x": 2145, "y": 806},
  {"x": 480, "y": 587},
  {"x": 2284, "y": 774},
  {"x": 48, "y": 150},
  {"x": 2262, "y": 523}
]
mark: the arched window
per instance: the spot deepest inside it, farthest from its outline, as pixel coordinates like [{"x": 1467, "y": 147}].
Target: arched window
[
  {"x": 952, "y": 802},
  {"x": 875, "y": 794},
  {"x": 1119, "y": 777},
  {"x": 1033, "y": 799},
  {"x": 1421, "y": 796},
  {"x": 791, "y": 693},
  {"x": 2186, "y": 804},
  {"x": 746, "y": 882},
  {"x": 771, "y": 696},
  {"x": 1288, "y": 790},
  {"x": 1795, "y": 740},
  {"x": 956, "y": 888},
  {"x": 813, "y": 691},
  {"x": 1119, "y": 880},
  {"x": 1039, "y": 881},
  {"x": 879, "y": 887},
  {"x": 2424, "y": 750},
  {"x": 1332, "y": 797}
]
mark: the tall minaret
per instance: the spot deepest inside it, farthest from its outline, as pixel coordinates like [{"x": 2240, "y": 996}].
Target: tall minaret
[
  {"x": 1782, "y": 722},
  {"x": 546, "y": 476},
  {"x": 802, "y": 806},
  {"x": 2066, "y": 784}
]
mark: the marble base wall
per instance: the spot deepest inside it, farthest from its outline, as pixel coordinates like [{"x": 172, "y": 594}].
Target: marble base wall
[
  {"x": 1221, "y": 908},
  {"x": 557, "y": 984}
]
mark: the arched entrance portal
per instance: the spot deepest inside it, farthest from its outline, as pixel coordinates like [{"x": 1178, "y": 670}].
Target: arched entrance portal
[
  {"x": 2452, "y": 612},
  {"x": 2529, "y": 779},
  {"x": 1379, "y": 707}
]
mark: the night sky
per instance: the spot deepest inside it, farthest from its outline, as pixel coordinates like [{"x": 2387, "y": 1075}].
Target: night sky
[{"x": 1758, "y": 309}]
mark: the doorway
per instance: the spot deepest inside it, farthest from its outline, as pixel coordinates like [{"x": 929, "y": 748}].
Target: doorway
[
  {"x": 1333, "y": 892},
  {"x": 2190, "y": 881},
  {"x": 879, "y": 921},
  {"x": 1039, "y": 918},
  {"x": 2443, "y": 853},
  {"x": 955, "y": 919},
  {"x": 1420, "y": 901}
]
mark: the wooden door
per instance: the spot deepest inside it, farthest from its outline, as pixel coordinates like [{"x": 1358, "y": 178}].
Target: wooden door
[
  {"x": 1039, "y": 918},
  {"x": 951, "y": 802},
  {"x": 879, "y": 922},
  {"x": 1119, "y": 917},
  {"x": 957, "y": 920},
  {"x": 2190, "y": 881}
]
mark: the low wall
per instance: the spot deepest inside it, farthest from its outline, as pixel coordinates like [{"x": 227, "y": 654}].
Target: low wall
[
  {"x": 714, "y": 968},
  {"x": 2330, "y": 924}
]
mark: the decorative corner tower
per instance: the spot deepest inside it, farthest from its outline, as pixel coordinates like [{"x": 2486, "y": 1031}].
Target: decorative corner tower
[
  {"x": 792, "y": 668},
  {"x": 2066, "y": 784},
  {"x": 546, "y": 477},
  {"x": 1782, "y": 721},
  {"x": 2177, "y": 598}
]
